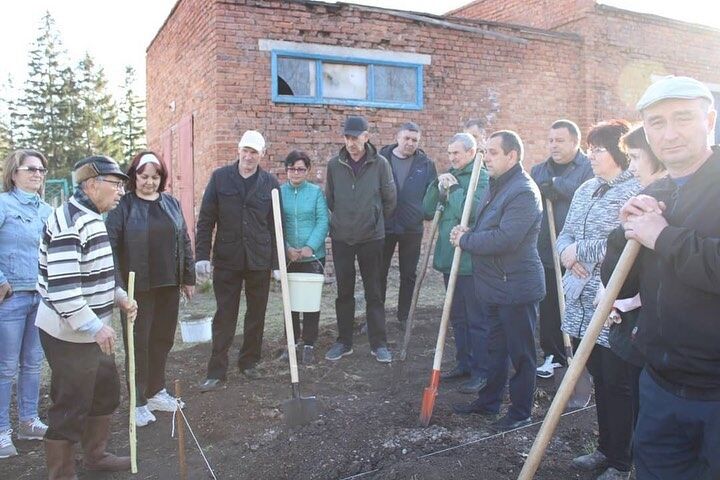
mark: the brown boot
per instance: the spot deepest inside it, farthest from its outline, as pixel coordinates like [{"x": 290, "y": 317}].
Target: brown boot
[
  {"x": 60, "y": 459},
  {"x": 94, "y": 442}
]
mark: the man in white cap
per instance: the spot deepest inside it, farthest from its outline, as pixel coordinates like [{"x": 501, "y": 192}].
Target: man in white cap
[
  {"x": 677, "y": 220},
  {"x": 238, "y": 207}
]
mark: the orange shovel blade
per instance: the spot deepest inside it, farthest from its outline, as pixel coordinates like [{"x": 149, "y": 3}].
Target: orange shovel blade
[{"x": 428, "y": 400}]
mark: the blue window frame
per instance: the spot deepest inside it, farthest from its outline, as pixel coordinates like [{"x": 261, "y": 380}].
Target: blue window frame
[{"x": 324, "y": 79}]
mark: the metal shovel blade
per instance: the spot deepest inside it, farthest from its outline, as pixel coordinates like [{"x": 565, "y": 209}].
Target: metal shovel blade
[
  {"x": 582, "y": 393},
  {"x": 428, "y": 399},
  {"x": 300, "y": 410}
]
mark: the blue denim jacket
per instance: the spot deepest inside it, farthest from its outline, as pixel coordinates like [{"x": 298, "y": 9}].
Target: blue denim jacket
[{"x": 21, "y": 224}]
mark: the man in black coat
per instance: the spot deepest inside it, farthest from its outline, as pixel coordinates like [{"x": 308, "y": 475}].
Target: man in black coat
[
  {"x": 677, "y": 220},
  {"x": 558, "y": 177},
  {"x": 413, "y": 172},
  {"x": 238, "y": 206},
  {"x": 509, "y": 279}
]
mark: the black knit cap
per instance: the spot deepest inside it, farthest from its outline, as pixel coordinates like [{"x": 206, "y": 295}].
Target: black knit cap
[{"x": 95, "y": 166}]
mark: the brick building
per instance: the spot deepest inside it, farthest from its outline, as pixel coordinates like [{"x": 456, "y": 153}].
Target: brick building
[{"x": 294, "y": 69}]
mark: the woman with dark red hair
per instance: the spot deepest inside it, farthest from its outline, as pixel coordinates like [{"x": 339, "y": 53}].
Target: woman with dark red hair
[{"x": 149, "y": 236}]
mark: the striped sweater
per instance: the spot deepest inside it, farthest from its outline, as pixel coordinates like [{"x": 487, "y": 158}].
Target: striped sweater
[
  {"x": 592, "y": 216},
  {"x": 76, "y": 277}
]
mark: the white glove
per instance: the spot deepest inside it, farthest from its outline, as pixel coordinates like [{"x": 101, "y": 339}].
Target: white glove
[
  {"x": 203, "y": 270},
  {"x": 276, "y": 275}
]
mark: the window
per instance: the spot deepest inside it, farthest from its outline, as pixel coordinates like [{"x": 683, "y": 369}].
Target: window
[{"x": 323, "y": 79}]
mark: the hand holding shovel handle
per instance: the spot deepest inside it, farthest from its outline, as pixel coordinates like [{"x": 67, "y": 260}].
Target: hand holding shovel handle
[
  {"x": 430, "y": 392},
  {"x": 629, "y": 254},
  {"x": 131, "y": 375}
]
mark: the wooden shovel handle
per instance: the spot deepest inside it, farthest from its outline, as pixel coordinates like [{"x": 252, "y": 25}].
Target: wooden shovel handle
[
  {"x": 558, "y": 276},
  {"x": 130, "y": 332}
]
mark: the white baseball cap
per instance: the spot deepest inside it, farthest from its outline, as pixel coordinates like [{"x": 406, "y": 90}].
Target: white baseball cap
[
  {"x": 252, "y": 139},
  {"x": 684, "y": 88}
]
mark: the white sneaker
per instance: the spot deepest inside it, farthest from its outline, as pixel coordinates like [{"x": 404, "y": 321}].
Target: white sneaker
[
  {"x": 7, "y": 449},
  {"x": 547, "y": 369},
  {"x": 143, "y": 416},
  {"x": 32, "y": 430},
  {"x": 164, "y": 402}
]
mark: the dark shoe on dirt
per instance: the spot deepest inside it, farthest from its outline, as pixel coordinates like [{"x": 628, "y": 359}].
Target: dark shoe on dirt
[
  {"x": 506, "y": 423},
  {"x": 472, "y": 408},
  {"x": 456, "y": 372},
  {"x": 308, "y": 356},
  {"x": 211, "y": 384},
  {"x": 251, "y": 373},
  {"x": 614, "y": 474},
  {"x": 473, "y": 386},
  {"x": 337, "y": 351},
  {"x": 591, "y": 461},
  {"x": 382, "y": 355}
]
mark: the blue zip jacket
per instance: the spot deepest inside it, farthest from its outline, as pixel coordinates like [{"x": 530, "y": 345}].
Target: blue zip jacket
[
  {"x": 21, "y": 223},
  {"x": 305, "y": 217}
]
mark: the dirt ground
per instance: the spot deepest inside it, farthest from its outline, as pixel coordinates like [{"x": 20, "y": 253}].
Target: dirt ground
[{"x": 368, "y": 427}]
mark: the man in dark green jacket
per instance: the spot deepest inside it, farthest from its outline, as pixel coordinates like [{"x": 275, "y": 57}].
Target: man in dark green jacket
[
  {"x": 361, "y": 194},
  {"x": 449, "y": 191}
]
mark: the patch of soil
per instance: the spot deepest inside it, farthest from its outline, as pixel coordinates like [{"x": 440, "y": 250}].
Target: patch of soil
[{"x": 368, "y": 427}]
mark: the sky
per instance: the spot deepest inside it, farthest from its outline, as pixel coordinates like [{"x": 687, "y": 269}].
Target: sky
[{"x": 117, "y": 34}]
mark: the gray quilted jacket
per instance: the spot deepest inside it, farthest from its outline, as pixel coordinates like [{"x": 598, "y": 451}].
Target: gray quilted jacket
[{"x": 592, "y": 216}]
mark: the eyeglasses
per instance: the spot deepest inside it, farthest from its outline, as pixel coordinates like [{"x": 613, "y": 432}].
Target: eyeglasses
[
  {"x": 596, "y": 150},
  {"x": 31, "y": 170},
  {"x": 297, "y": 170},
  {"x": 119, "y": 185}
]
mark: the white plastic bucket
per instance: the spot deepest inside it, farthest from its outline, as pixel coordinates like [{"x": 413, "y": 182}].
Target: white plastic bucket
[
  {"x": 196, "y": 330},
  {"x": 305, "y": 291}
]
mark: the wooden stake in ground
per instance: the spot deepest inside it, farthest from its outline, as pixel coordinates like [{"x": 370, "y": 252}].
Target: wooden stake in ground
[
  {"x": 629, "y": 254},
  {"x": 180, "y": 425},
  {"x": 430, "y": 392},
  {"x": 130, "y": 329}
]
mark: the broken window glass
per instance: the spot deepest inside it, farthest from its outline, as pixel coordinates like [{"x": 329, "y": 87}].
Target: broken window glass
[
  {"x": 296, "y": 77},
  {"x": 395, "y": 84},
  {"x": 344, "y": 81}
]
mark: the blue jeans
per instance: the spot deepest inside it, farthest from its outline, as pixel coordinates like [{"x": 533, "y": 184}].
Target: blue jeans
[
  {"x": 469, "y": 328},
  {"x": 675, "y": 438},
  {"x": 20, "y": 356}
]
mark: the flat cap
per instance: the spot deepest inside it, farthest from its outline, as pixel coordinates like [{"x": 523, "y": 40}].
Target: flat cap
[
  {"x": 95, "y": 166},
  {"x": 673, "y": 87}
]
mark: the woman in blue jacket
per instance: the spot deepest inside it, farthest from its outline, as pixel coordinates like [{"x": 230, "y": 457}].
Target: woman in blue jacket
[
  {"x": 22, "y": 218},
  {"x": 305, "y": 220}
]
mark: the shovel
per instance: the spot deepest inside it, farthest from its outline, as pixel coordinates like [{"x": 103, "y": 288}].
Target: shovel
[
  {"x": 582, "y": 393},
  {"x": 430, "y": 392},
  {"x": 298, "y": 410},
  {"x": 423, "y": 270}
]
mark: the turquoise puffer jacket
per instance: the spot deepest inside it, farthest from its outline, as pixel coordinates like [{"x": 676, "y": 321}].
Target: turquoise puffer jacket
[{"x": 305, "y": 217}]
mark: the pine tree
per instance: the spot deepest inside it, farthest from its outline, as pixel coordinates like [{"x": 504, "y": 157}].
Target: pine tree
[
  {"x": 131, "y": 117},
  {"x": 7, "y": 111}
]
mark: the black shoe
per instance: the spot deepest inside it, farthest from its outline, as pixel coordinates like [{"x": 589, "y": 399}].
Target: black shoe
[
  {"x": 474, "y": 385},
  {"x": 506, "y": 423},
  {"x": 456, "y": 372},
  {"x": 211, "y": 384},
  {"x": 472, "y": 408},
  {"x": 251, "y": 373}
]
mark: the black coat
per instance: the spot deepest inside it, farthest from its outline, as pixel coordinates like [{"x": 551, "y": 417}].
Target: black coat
[
  {"x": 503, "y": 244},
  {"x": 564, "y": 186},
  {"x": 245, "y": 231},
  {"x": 408, "y": 214},
  {"x": 127, "y": 227},
  {"x": 679, "y": 285}
]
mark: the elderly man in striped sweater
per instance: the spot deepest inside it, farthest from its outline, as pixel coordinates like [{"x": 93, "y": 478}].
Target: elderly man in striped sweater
[{"x": 77, "y": 283}]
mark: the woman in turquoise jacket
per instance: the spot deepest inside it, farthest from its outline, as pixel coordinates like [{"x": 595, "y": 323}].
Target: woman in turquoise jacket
[{"x": 305, "y": 226}]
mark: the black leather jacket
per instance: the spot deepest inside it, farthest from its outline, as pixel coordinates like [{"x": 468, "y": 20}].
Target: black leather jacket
[{"x": 127, "y": 229}]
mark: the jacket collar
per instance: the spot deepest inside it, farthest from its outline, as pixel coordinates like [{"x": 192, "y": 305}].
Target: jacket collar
[
  {"x": 25, "y": 199},
  {"x": 370, "y": 154},
  {"x": 83, "y": 200},
  {"x": 505, "y": 177},
  {"x": 388, "y": 149},
  {"x": 579, "y": 159}
]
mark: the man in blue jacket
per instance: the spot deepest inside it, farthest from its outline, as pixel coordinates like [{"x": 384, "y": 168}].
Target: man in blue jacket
[
  {"x": 413, "y": 171},
  {"x": 509, "y": 279},
  {"x": 558, "y": 177}
]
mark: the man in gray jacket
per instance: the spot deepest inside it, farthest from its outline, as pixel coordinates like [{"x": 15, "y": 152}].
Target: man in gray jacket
[{"x": 360, "y": 193}]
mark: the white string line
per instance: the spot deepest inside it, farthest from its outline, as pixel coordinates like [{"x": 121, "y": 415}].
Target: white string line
[{"x": 172, "y": 434}]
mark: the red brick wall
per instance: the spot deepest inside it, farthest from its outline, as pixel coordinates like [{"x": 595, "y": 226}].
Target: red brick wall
[{"x": 545, "y": 14}]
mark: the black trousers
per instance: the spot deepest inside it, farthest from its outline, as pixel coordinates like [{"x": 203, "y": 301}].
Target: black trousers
[
  {"x": 154, "y": 335},
  {"x": 310, "y": 320},
  {"x": 228, "y": 285},
  {"x": 614, "y": 404},
  {"x": 408, "y": 255},
  {"x": 551, "y": 341},
  {"x": 369, "y": 257},
  {"x": 84, "y": 383}
]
